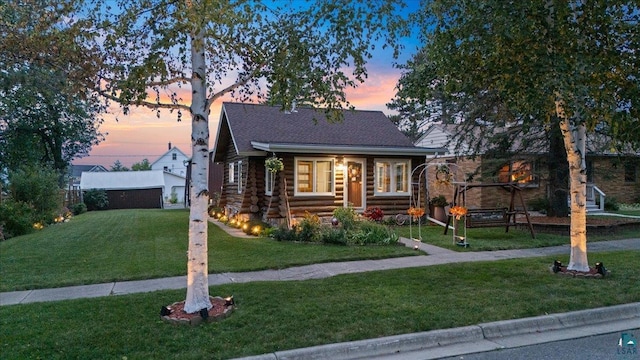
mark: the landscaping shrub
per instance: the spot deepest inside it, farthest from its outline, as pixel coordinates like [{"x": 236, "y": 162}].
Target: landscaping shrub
[
  {"x": 538, "y": 204},
  {"x": 38, "y": 188},
  {"x": 333, "y": 236},
  {"x": 283, "y": 234},
  {"x": 215, "y": 211},
  {"x": 96, "y": 199},
  {"x": 611, "y": 204},
  {"x": 369, "y": 233},
  {"x": 16, "y": 218},
  {"x": 347, "y": 217},
  {"x": 254, "y": 227},
  {"x": 308, "y": 229},
  {"x": 79, "y": 208},
  {"x": 374, "y": 213}
]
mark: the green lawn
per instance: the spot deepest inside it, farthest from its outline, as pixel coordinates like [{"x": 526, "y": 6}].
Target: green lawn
[
  {"x": 118, "y": 245},
  {"x": 274, "y": 316},
  {"x": 270, "y": 316},
  {"x": 495, "y": 238}
]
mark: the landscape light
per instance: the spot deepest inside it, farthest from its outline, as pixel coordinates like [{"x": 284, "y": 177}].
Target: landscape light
[
  {"x": 204, "y": 313},
  {"x": 556, "y": 266}
]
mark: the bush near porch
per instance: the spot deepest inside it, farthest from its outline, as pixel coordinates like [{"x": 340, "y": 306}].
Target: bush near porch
[{"x": 346, "y": 228}]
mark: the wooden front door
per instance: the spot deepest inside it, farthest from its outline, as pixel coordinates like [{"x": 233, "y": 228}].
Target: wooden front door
[{"x": 354, "y": 175}]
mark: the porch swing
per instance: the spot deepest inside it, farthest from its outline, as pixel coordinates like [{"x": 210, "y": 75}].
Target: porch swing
[{"x": 491, "y": 217}]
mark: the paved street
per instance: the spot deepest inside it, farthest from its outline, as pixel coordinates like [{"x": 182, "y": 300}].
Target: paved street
[{"x": 599, "y": 347}]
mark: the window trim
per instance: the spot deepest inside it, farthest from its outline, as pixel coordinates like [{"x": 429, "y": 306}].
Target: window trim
[
  {"x": 315, "y": 161},
  {"x": 240, "y": 184},
  {"x": 393, "y": 186},
  {"x": 232, "y": 173},
  {"x": 269, "y": 179}
]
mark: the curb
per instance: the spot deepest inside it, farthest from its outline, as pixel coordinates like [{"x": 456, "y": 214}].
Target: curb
[{"x": 394, "y": 345}]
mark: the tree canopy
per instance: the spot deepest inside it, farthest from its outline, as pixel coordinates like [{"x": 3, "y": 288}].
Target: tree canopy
[
  {"x": 499, "y": 65},
  {"x": 43, "y": 121},
  {"x": 48, "y": 112},
  {"x": 515, "y": 70}
]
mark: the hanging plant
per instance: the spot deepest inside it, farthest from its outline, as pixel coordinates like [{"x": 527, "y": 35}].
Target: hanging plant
[{"x": 274, "y": 164}]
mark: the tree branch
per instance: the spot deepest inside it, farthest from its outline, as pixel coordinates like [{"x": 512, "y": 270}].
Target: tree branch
[{"x": 144, "y": 103}]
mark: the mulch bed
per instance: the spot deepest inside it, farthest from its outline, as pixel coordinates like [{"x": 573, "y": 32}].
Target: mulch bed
[{"x": 178, "y": 316}]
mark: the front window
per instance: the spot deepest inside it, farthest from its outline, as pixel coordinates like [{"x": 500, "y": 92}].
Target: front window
[
  {"x": 314, "y": 177},
  {"x": 268, "y": 181},
  {"x": 174, "y": 156},
  {"x": 232, "y": 173},
  {"x": 520, "y": 172},
  {"x": 392, "y": 177}
]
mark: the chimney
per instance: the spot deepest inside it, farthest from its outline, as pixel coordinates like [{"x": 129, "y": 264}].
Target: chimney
[{"x": 169, "y": 145}]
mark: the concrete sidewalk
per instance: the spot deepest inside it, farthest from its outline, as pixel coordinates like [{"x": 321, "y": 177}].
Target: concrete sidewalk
[{"x": 436, "y": 256}]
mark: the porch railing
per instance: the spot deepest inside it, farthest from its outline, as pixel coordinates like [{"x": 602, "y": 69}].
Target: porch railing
[{"x": 593, "y": 192}]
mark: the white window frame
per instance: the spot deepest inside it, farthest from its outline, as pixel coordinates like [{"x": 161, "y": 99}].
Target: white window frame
[
  {"x": 232, "y": 173},
  {"x": 314, "y": 161},
  {"x": 269, "y": 179},
  {"x": 393, "y": 185},
  {"x": 240, "y": 184}
]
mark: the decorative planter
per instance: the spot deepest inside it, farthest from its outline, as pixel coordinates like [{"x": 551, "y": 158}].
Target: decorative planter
[{"x": 438, "y": 213}]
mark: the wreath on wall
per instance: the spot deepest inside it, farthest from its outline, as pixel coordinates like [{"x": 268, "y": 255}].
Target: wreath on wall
[{"x": 443, "y": 175}]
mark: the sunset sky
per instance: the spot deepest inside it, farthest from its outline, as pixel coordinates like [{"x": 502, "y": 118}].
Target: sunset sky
[{"x": 141, "y": 134}]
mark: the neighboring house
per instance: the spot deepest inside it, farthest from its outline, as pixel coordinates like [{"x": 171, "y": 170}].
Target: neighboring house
[
  {"x": 607, "y": 174},
  {"x": 135, "y": 189},
  {"x": 173, "y": 161},
  {"x": 174, "y": 187},
  {"x": 75, "y": 172},
  {"x": 363, "y": 161}
]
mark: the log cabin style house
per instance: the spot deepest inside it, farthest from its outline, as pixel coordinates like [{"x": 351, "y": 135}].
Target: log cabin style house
[{"x": 363, "y": 161}]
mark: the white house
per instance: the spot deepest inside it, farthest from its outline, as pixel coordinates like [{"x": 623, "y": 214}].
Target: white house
[{"x": 173, "y": 161}]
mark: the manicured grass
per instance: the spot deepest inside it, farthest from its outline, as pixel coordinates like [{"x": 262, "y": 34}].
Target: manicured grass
[
  {"x": 632, "y": 212},
  {"x": 495, "y": 238},
  {"x": 119, "y": 245},
  {"x": 273, "y": 316}
]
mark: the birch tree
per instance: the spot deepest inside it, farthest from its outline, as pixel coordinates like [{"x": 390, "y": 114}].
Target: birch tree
[
  {"x": 531, "y": 65},
  {"x": 183, "y": 56}
]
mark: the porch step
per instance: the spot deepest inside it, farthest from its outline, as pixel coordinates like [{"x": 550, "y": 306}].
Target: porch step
[{"x": 592, "y": 207}]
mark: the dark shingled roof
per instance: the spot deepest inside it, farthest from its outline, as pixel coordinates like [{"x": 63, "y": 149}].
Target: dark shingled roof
[{"x": 268, "y": 124}]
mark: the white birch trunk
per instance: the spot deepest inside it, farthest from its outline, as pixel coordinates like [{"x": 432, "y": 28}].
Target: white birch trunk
[
  {"x": 575, "y": 145},
  {"x": 197, "y": 263}
]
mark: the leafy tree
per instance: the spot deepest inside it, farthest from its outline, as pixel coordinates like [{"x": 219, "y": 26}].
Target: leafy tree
[
  {"x": 37, "y": 187},
  {"x": 290, "y": 53},
  {"x": 526, "y": 67},
  {"x": 46, "y": 34},
  {"x": 43, "y": 120},
  {"x": 117, "y": 166},
  {"x": 96, "y": 199},
  {"x": 141, "y": 166}
]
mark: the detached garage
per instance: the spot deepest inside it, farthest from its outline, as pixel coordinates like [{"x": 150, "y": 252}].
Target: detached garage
[{"x": 127, "y": 189}]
